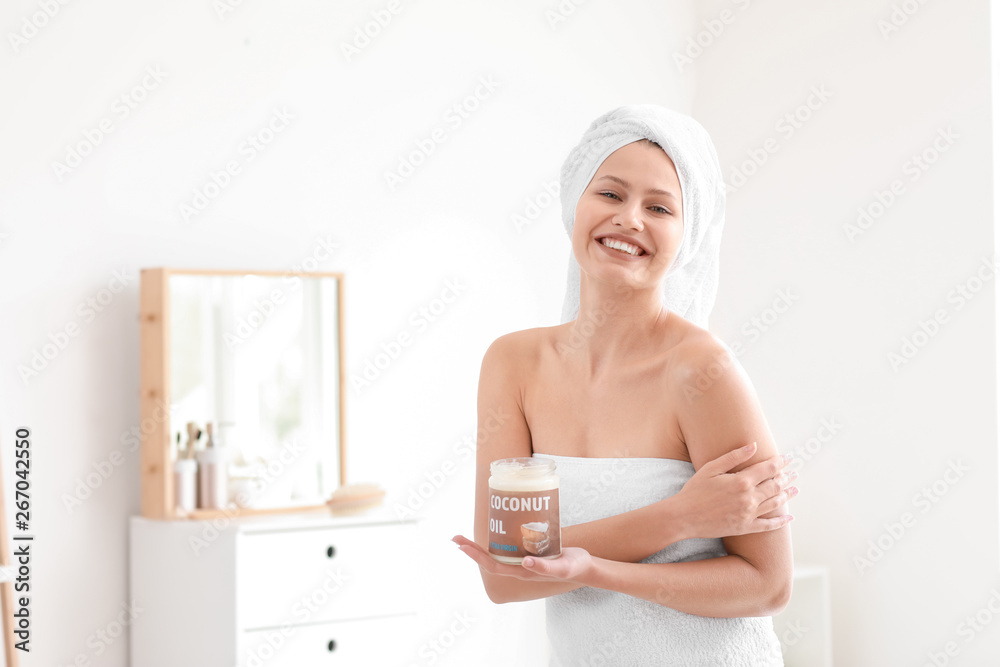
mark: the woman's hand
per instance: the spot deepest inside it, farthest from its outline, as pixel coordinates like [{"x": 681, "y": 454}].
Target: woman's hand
[
  {"x": 718, "y": 503},
  {"x": 570, "y": 565}
]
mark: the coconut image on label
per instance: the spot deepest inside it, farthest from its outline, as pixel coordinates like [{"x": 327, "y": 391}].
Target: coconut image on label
[{"x": 536, "y": 538}]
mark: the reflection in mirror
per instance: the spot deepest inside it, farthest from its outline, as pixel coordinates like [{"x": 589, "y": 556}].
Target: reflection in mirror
[{"x": 258, "y": 355}]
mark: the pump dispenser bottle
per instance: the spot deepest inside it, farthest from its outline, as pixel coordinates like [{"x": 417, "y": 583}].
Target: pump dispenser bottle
[{"x": 211, "y": 474}]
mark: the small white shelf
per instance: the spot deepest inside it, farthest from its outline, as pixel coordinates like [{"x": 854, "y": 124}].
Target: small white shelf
[{"x": 804, "y": 627}]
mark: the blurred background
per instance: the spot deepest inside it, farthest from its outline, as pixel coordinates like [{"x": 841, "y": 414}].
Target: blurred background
[{"x": 415, "y": 147}]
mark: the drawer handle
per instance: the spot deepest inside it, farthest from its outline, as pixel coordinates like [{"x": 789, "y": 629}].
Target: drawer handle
[
  {"x": 330, "y": 645},
  {"x": 330, "y": 551}
]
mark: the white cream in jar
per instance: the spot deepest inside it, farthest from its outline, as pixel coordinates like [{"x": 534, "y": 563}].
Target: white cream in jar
[{"x": 524, "y": 509}]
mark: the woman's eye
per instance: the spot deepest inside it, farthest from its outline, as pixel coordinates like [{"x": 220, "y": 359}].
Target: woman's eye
[{"x": 658, "y": 209}]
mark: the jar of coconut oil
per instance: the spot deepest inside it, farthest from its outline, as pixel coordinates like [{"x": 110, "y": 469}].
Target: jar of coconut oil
[{"x": 524, "y": 509}]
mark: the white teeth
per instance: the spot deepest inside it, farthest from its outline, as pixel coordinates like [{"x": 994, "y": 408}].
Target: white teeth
[{"x": 620, "y": 245}]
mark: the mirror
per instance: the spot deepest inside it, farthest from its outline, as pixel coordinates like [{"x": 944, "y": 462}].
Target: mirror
[{"x": 260, "y": 356}]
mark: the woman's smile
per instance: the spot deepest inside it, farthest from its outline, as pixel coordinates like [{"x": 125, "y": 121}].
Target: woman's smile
[{"x": 624, "y": 251}]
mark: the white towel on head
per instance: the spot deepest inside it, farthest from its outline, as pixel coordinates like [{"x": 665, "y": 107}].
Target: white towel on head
[{"x": 691, "y": 281}]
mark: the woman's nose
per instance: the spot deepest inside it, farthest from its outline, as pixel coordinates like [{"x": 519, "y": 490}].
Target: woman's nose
[{"x": 629, "y": 218}]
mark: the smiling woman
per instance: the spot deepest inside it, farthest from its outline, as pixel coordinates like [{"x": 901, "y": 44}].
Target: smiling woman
[{"x": 683, "y": 552}]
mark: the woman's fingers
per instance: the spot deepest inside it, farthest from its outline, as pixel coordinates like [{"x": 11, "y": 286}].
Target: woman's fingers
[
  {"x": 775, "y": 485},
  {"x": 493, "y": 566},
  {"x": 475, "y": 552},
  {"x": 777, "y": 501},
  {"x": 730, "y": 460},
  {"x": 764, "y": 470},
  {"x": 761, "y": 525},
  {"x": 478, "y": 554},
  {"x": 776, "y": 491},
  {"x": 463, "y": 541},
  {"x": 542, "y": 566},
  {"x": 569, "y": 564},
  {"x": 559, "y": 568},
  {"x": 772, "y": 504},
  {"x": 757, "y": 473}
]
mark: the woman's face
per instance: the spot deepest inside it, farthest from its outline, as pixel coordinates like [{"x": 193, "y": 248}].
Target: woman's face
[{"x": 634, "y": 197}]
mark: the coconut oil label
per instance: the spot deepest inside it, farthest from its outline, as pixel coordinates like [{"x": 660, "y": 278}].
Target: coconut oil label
[{"x": 524, "y": 523}]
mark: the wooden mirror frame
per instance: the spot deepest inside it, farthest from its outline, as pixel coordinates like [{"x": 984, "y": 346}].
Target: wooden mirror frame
[{"x": 154, "y": 381}]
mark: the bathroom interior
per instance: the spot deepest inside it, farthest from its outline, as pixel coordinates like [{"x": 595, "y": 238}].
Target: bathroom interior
[{"x": 270, "y": 243}]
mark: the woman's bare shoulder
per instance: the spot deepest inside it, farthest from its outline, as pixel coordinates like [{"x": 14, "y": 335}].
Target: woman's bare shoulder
[
  {"x": 525, "y": 345},
  {"x": 700, "y": 354}
]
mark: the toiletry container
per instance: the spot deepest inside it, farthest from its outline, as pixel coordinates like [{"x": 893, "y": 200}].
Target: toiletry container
[
  {"x": 186, "y": 484},
  {"x": 524, "y": 509},
  {"x": 212, "y": 483},
  {"x": 211, "y": 479}
]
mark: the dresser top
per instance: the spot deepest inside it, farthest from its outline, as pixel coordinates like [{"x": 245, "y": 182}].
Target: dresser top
[{"x": 321, "y": 518}]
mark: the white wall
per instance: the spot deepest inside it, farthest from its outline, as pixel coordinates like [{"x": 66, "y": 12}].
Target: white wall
[
  {"x": 322, "y": 177},
  {"x": 826, "y": 358}
]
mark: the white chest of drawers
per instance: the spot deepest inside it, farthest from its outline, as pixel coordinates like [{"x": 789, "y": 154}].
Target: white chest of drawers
[{"x": 291, "y": 591}]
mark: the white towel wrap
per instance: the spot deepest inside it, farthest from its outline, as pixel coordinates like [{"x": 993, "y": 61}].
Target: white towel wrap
[{"x": 592, "y": 626}]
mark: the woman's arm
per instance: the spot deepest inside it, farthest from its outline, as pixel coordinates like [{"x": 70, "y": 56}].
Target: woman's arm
[
  {"x": 712, "y": 504},
  {"x": 503, "y": 433},
  {"x": 755, "y": 579}
]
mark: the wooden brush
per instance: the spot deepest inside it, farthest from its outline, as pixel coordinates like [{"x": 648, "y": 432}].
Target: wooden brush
[{"x": 355, "y": 498}]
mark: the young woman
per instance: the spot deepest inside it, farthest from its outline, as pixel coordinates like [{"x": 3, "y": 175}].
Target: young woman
[{"x": 676, "y": 548}]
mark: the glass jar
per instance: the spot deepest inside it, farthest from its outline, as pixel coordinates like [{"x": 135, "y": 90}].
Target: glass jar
[{"x": 524, "y": 509}]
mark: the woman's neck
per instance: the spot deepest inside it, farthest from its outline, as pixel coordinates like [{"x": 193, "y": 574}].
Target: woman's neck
[{"x": 616, "y": 326}]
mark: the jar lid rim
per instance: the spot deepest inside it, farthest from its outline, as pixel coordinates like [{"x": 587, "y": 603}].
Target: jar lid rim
[{"x": 523, "y": 465}]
